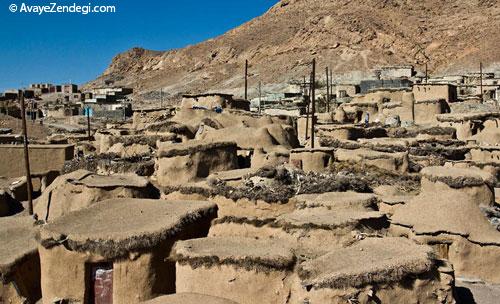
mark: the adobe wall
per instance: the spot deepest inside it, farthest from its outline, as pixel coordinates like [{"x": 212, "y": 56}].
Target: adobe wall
[
  {"x": 43, "y": 158},
  {"x": 395, "y": 162},
  {"x": 474, "y": 260},
  {"x": 208, "y": 102},
  {"x": 317, "y": 240},
  {"x": 138, "y": 277},
  {"x": 428, "y": 288},
  {"x": 481, "y": 194},
  {"x": 237, "y": 284},
  {"x": 141, "y": 119},
  {"x": 485, "y": 155},
  {"x": 188, "y": 168},
  {"x": 430, "y": 92},
  {"x": 68, "y": 198},
  {"x": 309, "y": 160},
  {"x": 23, "y": 285},
  {"x": 65, "y": 275},
  {"x": 470, "y": 260},
  {"x": 426, "y": 111},
  {"x": 404, "y": 110}
]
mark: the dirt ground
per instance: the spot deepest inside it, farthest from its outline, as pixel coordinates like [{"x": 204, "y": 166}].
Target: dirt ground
[
  {"x": 35, "y": 130},
  {"x": 467, "y": 293}
]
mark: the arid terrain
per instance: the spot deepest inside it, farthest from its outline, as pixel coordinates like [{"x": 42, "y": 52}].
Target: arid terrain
[
  {"x": 350, "y": 36},
  {"x": 379, "y": 186}
]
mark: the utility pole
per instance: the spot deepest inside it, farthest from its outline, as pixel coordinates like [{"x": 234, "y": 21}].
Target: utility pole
[
  {"x": 481, "y": 81},
  {"x": 161, "y": 98},
  {"x": 327, "y": 91},
  {"x": 305, "y": 87},
  {"x": 260, "y": 96},
  {"x": 308, "y": 105},
  {"x": 26, "y": 153},
  {"x": 88, "y": 123},
  {"x": 331, "y": 83},
  {"x": 246, "y": 79},
  {"x": 426, "y": 73},
  {"x": 313, "y": 100}
]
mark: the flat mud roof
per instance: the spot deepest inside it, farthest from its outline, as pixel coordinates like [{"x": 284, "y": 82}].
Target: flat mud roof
[
  {"x": 189, "y": 298},
  {"x": 111, "y": 181},
  {"x": 447, "y": 213},
  {"x": 191, "y": 147},
  {"x": 114, "y": 227},
  {"x": 322, "y": 218},
  {"x": 338, "y": 200},
  {"x": 458, "y": 177},
  {"x": 371, "y": 261},
  {"x": 248, "y": 253}
]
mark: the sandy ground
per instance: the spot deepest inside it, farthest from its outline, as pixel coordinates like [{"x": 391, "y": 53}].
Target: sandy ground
[{"x": 467, "y": 293}]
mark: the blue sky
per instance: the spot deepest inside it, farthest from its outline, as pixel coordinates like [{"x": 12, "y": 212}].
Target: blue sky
[{"x": 58, "y": 48}]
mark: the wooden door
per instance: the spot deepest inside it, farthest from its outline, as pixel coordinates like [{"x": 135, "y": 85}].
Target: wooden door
[{"x": 102, "y": 284}]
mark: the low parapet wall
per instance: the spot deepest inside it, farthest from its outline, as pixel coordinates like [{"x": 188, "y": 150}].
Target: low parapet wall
[{"x": 43, "y": 158}]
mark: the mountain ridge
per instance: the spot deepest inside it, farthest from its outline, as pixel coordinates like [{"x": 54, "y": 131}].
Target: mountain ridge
[{"x": 350, "y": 36}]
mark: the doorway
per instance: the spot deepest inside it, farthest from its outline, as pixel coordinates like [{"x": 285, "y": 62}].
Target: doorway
[{"x": 101, "y": 283}]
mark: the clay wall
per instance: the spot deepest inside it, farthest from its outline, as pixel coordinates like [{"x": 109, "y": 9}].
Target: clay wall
[{"x": 43, "y": 158}]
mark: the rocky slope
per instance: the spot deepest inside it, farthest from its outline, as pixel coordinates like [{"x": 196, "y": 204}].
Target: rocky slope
[{"x": 351, "y": 36}]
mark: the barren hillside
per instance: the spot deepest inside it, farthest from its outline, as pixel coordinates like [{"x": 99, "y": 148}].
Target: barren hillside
[{"x": 348, "y": 35}]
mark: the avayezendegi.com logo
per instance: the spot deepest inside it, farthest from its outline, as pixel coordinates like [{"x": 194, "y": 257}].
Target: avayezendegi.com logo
[{"x": 54, "y": 8}]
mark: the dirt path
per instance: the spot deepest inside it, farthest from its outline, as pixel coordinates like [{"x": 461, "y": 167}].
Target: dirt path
[{"x": 467, "y": 293}]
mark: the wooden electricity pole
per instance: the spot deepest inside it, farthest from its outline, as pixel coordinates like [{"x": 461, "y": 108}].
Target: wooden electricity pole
[
  {"x": 305, "y": 87},
  {"x": 426, "y": 73},
  {"x": 327, "y": 91},
  {"x": 331, "y": 84},
  {"x": 308, "y": 105},
  {"x": 260, "y": 96},
  {"x": 313, "y": 101},
  {"x": 481, "y": 81},
  {"x": 88, "y": 123},
  {"x": 161, "y": 98},
  {"x": 26, "y": 153},
  {"x": 246, "y": 79}
]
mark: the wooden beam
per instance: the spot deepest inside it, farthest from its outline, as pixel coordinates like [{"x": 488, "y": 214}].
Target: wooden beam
[{"x": 26, "y": 153}]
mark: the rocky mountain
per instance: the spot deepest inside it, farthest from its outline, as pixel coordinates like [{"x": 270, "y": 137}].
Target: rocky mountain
[{"x": 350, "y": 36}]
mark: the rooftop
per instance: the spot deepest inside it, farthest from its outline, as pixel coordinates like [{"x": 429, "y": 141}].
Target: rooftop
[
  {"x": 371, "y": 261},
  {"x": 446, "y": 213},
  {"x": 189, "y": 298},
  {"x": 458, "y": 177},
  {"x": 338, "y": 200},
  {"x": 92, "y": 180},
  {"x": 249, "y": 253},
  {"x": 115, "y": 227},
  {"x": 191, "y": 147},
  {"x": 322, "y": 218}
]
